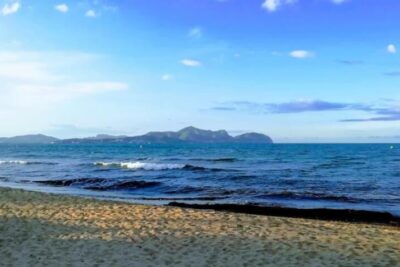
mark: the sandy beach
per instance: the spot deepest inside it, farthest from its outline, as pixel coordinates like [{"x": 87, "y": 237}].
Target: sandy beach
[{"x": 38, "y": 229}]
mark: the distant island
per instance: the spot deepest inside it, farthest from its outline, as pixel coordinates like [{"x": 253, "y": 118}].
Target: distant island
[
  {"x": 186, "y": 135},
  {"x": 29, "y": 139}
]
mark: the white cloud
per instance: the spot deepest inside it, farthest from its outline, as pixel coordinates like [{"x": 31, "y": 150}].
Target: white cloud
[
  {"x": 301, "y": 54},
  {"x": 91, "y": 13},
  {"x": 391, "y": 49},
  {"x": 195, "y": 33},
  {"x": 273, "y": 5},
  {"x": 10, "y": 8},
  {"x": 63, "y": 8},
  {"x": 166, "y": 77},
  {"x": 191, "y": 63}
]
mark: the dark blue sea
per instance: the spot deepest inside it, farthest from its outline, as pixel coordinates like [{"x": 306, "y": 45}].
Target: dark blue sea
[{"x": 348, "y": 176}]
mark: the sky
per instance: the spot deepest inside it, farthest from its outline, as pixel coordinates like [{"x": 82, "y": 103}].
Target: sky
[{"x": 297, "y": 70}]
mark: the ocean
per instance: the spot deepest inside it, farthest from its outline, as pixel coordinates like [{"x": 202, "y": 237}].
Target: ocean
[{"x": 333, "y": 176}]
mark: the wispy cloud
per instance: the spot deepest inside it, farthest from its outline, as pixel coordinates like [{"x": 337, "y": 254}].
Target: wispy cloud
[
  {"x": 338, "y": 2},
  {"x": 307, "y": 106},
  {"x": 190, "y": 63},
  {"x": 297, "y": 106},
  {"x": 95, "y": 87},
  {"x": 10, "y": 8},
  {"x": 274, "y": 5},
  {"x": 351, "y": 62},
  {"x": 195, "y": 33},
  {"x": 392, "y": 73},
  {"x": 224, "y": 108},
  {"x": 391, "y": 113},
  {"x": 384, "y": 118},
  {"x": 91, "y": 13},
  {"x": 301, "y": 54},
  {"x": 166, "y": 77},
  {"x": 391, "y": 48},
  {"x": 382, "y": 113},
  {"x": 38, "y": 79},
  {"x": 63, "y": 8},
  {"x": 96, "y": 8}
]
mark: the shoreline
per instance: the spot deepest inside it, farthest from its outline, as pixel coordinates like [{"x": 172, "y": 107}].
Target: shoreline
[
  {"x": 44, "y": 229},
  {"x": 323, "y": 214}
]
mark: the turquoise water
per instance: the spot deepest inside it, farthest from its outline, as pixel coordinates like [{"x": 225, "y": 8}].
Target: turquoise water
[{"x": 359, "y": 176}]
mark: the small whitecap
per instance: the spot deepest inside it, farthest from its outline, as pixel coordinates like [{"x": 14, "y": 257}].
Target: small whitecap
[{"x": 142, "y": 165}]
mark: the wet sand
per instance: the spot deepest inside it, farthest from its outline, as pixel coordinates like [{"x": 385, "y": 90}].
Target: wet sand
[{"x": 38, "y": 229}]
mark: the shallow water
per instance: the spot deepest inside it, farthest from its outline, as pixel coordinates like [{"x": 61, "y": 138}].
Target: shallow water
[{"x": 353, "y": 176}]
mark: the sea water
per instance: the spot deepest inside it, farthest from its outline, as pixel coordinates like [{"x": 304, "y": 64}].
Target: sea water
[{"x": 338, "y": 176}]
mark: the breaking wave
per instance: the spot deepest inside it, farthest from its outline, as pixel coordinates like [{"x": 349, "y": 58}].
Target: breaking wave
[
  {"x": 142, "y": 165},
  {"x": 155, "y": 166},
  {"x": 21, "y": 162}
]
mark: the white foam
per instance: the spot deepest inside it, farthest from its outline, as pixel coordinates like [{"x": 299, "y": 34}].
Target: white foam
[
  {"x": 143, "y": 165},
  {"x": 13, "y": 162}
]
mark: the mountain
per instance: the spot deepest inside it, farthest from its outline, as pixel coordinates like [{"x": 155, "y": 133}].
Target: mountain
[
  {"x": 29, "y": 139},
  {"x": 186, "y": 135},
  {"x": 192, "y": 134},
  {"x": 253, "y": 138}
]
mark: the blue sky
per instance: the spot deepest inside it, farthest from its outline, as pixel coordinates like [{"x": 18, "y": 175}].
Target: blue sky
[{"x": 298, "y": 70}]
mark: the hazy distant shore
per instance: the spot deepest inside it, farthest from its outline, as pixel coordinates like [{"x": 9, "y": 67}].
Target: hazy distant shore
[{"x": 38, "y": 229}]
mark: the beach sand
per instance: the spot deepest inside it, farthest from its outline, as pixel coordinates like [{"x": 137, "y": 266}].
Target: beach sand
[{"x": 38, "y": 229}]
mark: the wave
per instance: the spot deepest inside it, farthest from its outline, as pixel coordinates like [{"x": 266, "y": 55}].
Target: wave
[
  {"x": 70, "y": 182},
  {"x": 156, "y": 166},
  {"x": 20, "y": 162},
  {"x": 123, "y": 185},
  {"x": 142, "y": 165},
  {"x": 227, "y": 159},
  {"x": 198, "y": 168},
  {"x": 224, "y": 160},
  {"x": 242, "y": 177},
  {"x": 24, "y": 162},
  {"x": 209, "y": 191},
  {"x": 333, "y": 165},
  {"x": 309, "y": 196},
  {"x": 100, "y": 184},
  {"x": 181, "y": 198}
]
